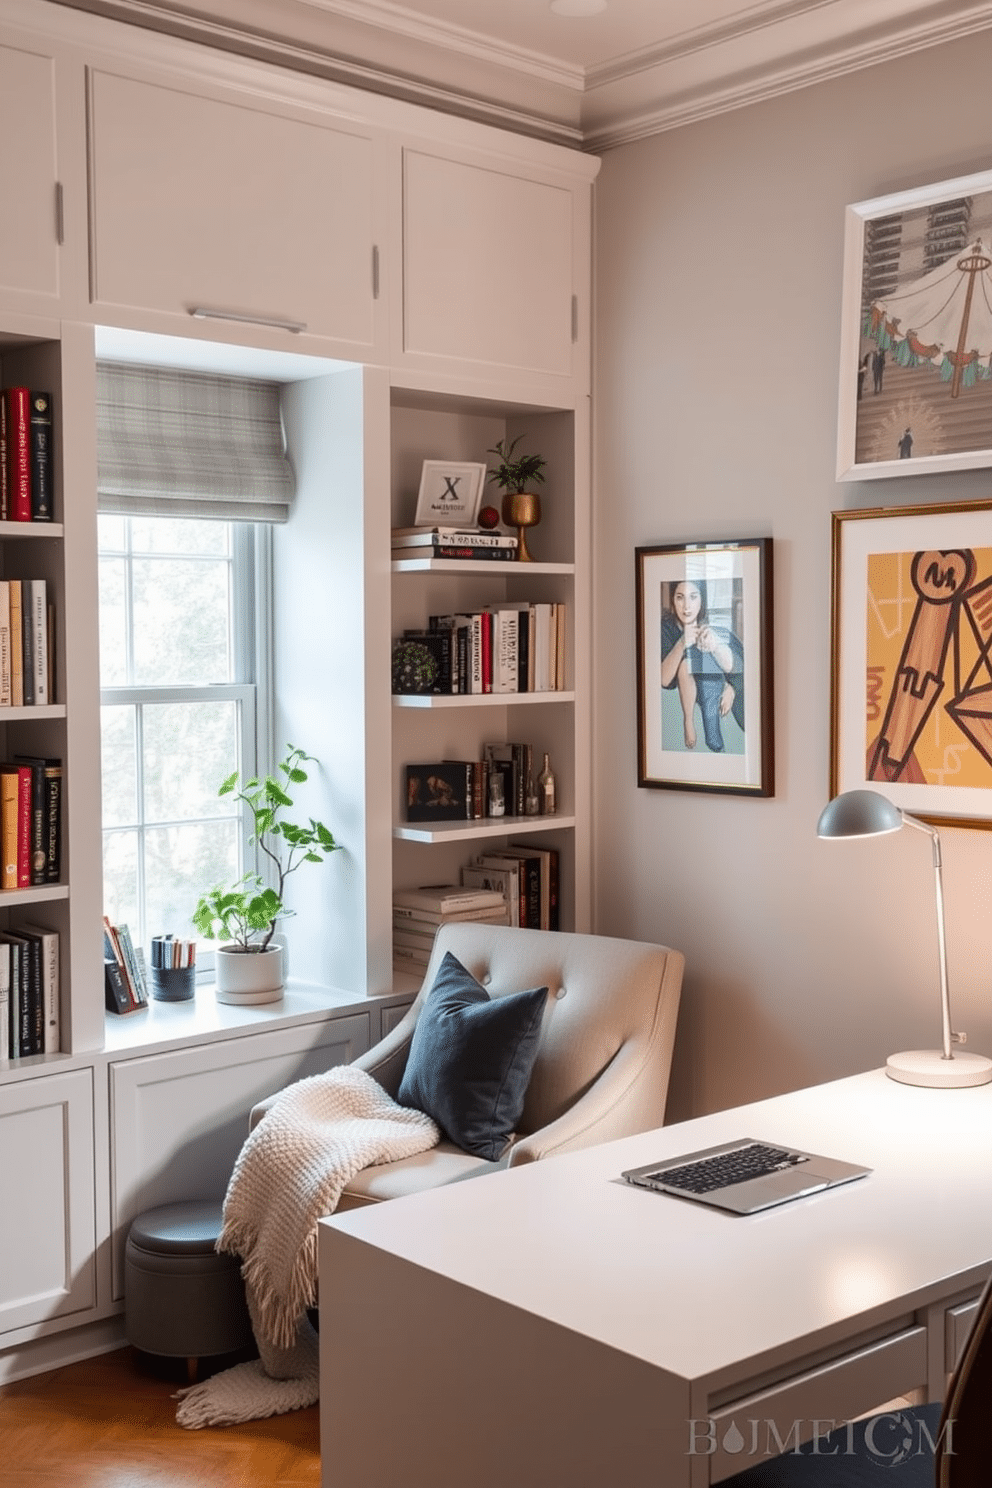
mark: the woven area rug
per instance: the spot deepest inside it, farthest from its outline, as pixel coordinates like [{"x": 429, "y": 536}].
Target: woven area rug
[{"x": 289, "y": 1174}]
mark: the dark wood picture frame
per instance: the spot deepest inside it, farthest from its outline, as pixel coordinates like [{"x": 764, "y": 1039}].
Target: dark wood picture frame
[{"x": 705, "y": 709}]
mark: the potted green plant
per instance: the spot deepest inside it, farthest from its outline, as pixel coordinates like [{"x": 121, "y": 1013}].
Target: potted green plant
[
  {"x": 521, "y": 508},
  {"x": 249, "y": 968}
]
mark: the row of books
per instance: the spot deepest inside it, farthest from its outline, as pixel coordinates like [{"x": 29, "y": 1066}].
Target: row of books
[
  {"x": 125, "y": 980},
  {"x": 527, "y": 877},
  {"x": 30, "y": 822},
  {"x": 454, "y": 542},
  {"x": 417, "y": 913},
  {"x": 504, "y": 649},
  {"x": 25, "y": 455},
  {"x": 27, "y": 636},
  {"x": 29, "y": 992},
  {"x": 459, "y": 790}
]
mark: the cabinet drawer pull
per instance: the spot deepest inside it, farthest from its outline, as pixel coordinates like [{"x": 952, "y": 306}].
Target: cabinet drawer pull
[
  {"x": 575, "y": 318},
  {"x": 375, "y": 271},
  {"x": 59, "y": 215},
  {"x": 209, "y": 312}
]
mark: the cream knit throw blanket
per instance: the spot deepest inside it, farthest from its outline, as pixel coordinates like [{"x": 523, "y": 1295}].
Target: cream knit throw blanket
[{"x": 290, "y": 1172}]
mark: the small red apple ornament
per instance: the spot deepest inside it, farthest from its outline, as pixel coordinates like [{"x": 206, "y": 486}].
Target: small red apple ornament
[{"x": 489, "y": 517}]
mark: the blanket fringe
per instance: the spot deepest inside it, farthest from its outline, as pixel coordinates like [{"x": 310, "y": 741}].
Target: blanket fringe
[{"x": 244, "y": 1393}]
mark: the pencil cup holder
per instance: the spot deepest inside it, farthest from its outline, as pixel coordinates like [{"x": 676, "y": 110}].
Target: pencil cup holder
[{"x": 173, "y": 983}]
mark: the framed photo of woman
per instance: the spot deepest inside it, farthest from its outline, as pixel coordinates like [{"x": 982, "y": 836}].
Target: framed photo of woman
[{"x": 704, "y": 671}]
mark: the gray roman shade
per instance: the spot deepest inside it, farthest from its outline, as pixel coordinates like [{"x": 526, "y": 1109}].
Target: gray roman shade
[{"x": 190, "y": 444}]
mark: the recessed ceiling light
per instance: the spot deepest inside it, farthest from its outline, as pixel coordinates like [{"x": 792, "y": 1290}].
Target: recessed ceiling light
[{"x": 578, "y": 7}]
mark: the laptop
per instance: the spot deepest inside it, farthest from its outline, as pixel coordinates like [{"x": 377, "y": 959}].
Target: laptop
[{"x": 745, "y": 1176}]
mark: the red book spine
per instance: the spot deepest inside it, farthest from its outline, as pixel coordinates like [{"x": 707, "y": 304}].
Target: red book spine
[
  {"x": 487, "y": 651},
  {"x": 24, "y": 826},
  {"x": 19, "y": 453},
  {"x": 4, "y": 468}
]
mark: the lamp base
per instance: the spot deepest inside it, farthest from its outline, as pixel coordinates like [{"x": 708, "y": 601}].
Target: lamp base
[{"x": 929, "y": 1067}]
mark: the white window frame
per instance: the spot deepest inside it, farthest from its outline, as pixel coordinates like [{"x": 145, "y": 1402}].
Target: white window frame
[{"x": 252, "y": 648}]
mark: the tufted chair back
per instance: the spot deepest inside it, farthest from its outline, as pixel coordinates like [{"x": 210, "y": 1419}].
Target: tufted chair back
[{"x": 604, "y": 1055}]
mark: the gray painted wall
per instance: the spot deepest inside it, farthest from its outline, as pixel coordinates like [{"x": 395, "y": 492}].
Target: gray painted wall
[{"x": 719, "y": 254}]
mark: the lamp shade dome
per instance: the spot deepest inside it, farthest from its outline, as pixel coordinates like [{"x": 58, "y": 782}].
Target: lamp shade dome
[{"x": 859, "y": 813}]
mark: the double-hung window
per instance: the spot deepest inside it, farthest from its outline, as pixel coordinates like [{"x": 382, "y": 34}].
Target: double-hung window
[
  {"x": 188, "y": 464},
  {"x": 180, "y": 708}
]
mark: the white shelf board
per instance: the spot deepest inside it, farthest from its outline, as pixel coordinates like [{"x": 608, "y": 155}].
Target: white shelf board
[
  {"x": 477, "y": 566},
  {"x": 477, "y": 699},
  {"x": 468, "y": 831},
  {"x": 35, "y": 711},
  {"x": 30, "y": 529},
  {"x": 34, "y": 895}
]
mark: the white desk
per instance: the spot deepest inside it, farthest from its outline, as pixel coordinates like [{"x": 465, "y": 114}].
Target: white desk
[{"x": 554, "y": 1327}]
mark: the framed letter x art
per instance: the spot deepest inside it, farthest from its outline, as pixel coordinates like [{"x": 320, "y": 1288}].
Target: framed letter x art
[
  {"x": 912, "y": 659},
  {"x": 450, "y": 494}
]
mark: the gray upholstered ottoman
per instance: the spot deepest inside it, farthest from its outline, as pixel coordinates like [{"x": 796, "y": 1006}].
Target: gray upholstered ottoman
[{"x": 181, "y": 1298}]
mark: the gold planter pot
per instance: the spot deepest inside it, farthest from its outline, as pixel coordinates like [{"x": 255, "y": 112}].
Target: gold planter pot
[{"x": 522, "y": 509}]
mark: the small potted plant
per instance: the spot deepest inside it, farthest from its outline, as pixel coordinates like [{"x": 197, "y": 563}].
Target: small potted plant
[
  {"x": 521, "y": 508},
  {"x": 249, "y": 968}
]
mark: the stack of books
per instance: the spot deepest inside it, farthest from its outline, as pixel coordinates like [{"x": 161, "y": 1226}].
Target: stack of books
[
  {"x": 29, "y": 992},
  {"x": 124, "y": 977},
  {"x": 25, "y": 455},
  {"x": 417, "y": 913},
  {"x": 454, "y": 542}
]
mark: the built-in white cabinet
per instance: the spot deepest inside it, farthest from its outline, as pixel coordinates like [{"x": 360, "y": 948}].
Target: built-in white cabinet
[
  {"x": 179, "y": 1117},
  {"x": 48, "y": 1220},
  {"x": 425, "y": 282},
  {"x": 495, "y": 281},
  {"x": 221, "y": 206},
  {"x": 30, "y": 223}
]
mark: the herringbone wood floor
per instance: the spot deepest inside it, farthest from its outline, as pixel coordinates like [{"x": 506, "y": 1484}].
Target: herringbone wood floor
[{"x": 109, "y": 1422}]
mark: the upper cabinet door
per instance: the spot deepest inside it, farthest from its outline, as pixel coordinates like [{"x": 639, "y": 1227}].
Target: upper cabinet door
[
  {"x": 221, "y": 205},
  {"x": 490, "y": 256},
  {"x": 29, "y": 219}
]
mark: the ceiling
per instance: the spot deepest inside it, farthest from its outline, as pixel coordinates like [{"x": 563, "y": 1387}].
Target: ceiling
[{"x": 592, "y": 80}]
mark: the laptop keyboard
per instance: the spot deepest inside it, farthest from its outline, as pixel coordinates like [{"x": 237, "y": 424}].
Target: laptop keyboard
[{"x": 709, "y": 1173}]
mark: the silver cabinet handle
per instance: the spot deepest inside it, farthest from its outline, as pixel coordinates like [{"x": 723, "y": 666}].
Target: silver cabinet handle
[{"x": 209, "y": 312}]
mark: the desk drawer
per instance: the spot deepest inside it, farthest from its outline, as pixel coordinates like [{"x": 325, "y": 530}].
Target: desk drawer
[
  {"x": 813, "y": 1402},
  {"x": 957, "y": 1326}
]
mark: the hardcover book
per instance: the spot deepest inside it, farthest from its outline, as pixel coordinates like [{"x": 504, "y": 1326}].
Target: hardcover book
[
  {"x": 17, "y": 400},
  {"x": 41, "y": 457},
  {"x": 446, "y": 899}
]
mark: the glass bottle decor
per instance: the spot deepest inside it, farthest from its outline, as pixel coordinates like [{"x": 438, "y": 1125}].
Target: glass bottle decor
[
  {"x": 546, "y": 789},
  {"x": 532, "y": 801}
]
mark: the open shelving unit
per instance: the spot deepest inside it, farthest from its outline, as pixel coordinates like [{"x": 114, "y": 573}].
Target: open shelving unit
[{"x": 457, "y": 727}]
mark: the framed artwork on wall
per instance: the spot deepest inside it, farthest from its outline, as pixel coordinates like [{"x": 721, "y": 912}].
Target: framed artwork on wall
[
  {"x": 911, "y": 675},
  {"x": 916, "y": 332},
  {"x": 704, "y": 672},
  {"x": 450, "y": 494}
]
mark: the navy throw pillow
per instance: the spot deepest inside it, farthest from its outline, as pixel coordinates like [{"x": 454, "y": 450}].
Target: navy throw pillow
[{"x": 471, "y": 1059}]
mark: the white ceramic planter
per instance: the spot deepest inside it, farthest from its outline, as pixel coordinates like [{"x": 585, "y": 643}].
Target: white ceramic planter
[{"x": 249, "y": 976}]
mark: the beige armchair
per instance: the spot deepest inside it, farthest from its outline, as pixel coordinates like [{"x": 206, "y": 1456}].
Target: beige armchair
[{"x": 603, "y": 1060}]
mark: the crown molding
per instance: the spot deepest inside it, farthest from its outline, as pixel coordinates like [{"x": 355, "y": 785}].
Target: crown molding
[
  {"x": 449, "y": 38},
  {"x": 772, "y": 48},
  {"x": 694, "y": 78}
]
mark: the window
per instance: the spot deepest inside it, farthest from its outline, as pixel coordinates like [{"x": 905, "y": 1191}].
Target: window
[{"x": 182, "y": 675}]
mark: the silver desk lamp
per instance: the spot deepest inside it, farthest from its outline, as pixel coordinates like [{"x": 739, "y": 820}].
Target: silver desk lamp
[{"x": 867, "y": 813}]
